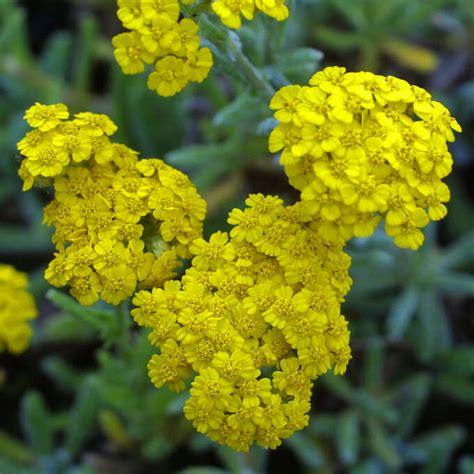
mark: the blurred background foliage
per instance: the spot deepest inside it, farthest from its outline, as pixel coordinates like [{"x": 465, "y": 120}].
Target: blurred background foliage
[{"x": 79, "y": 401}]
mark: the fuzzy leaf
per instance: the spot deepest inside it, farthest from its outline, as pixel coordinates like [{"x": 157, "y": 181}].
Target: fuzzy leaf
[
  {"x": 459, "y": 360},
  {"x": 382, "y": 446},
  {"x": 401, "y": 312},
  {"x": 439, "y": 446},
  {"x": 348, "y": 437},
  {"x": 82, "y": 417},
  {"x": 298, "y": 65},
  {"x": 35, "y": 422}
]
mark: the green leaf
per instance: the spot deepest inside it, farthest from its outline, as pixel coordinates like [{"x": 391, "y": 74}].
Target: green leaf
[
  {"x": 64, "y": 326},
  {"x": 371, "y": 466},
  {"x": 466, "y": 465},
  {"x": 14, "y": 450},
  {"x": 300, "y": 64},
  {"x": 457, "y": 387},
  {"x": 203, "y": 470},
  {"x": 373, "y": 364},
  {"x": 244, "y": 112},
  {"x": 80, "y": 470},
  {"x": 231, "y": 459},
  {"x": 82, "y": 417},
  {"x": 13, "y": 32},
  {"x": 88, "y": 38},
  {"x": 460, "y": 252},
  {"x": 337, "y": 39},
  {"x": 105, "y": 322},
  {"x": 348, "y": 437},
  {"x": 459, "y": 360},
  {"x": 16, "y": 239},
  {"x": 57, "y": 55},
  {"x": 401, "y": 312},
  {"x": 35, "y": 422},
  {"x": 370, "y": 406},
  {"x": 323, "y": 425},
  {"x": 64, "y": 375},
  {"x": 266, "y": 126},
  {"x": 433, "y": 333},
  {"x": 10, "y": 467},
  {"x": 439, "y": 445},
  {"x": 201, "y": 155},
  {"x": 456, "y": 283},
  {"x": 353, "y": 12},
  {"x": 307, "y": 450},
  {"x": 382, "y": 446},
  {"x": 410, "y": 396},
  {"x": 339, "y": 386}
]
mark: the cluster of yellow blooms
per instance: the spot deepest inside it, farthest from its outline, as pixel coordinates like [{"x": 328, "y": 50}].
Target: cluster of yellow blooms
[
  {"x": 119, "y": 221},
  {"x": 230, "y": 11},
  {"x": 256, "y": 318},
  {"x": 161, "y": 36},
  {"x": 158, "y": 37},
  {"x": 17, "y": 307},
  {"x": 360, "y": 147}
]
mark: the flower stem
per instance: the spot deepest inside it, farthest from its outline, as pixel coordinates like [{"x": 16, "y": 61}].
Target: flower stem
[
  {"x": 123, "y": 323},
  {"x": 227, "y": 43},
  {"x": 253, "y": 74}
]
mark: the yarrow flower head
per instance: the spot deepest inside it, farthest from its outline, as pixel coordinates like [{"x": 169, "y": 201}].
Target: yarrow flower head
[
  {"x": 231, "y": 12},
  {"x": 17, "y": 308},
  {"x": 363, "y": 147},
  {"x": 253, "y": 322},
  {"x": 158, "y": 36},
  {"x": 120, "y": 222}
]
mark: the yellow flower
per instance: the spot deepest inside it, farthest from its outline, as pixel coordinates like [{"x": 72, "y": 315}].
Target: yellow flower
[
  {"x": 130, "y": 52},
  {"x": 130, "y": 13},
  {"x": 250, "y": 323},
  {"x": 17, "y": 308},
  {"x": 160, "y": 8},
  {"x": 46, "y": 117},
  {"x": 170, "y": 76},
  {"x": 165, "y": 369},
  {"x": 212, "y": 254},
  {"x": 86, "y": 288},
  {"x": 152, "y": 36},
  {"x": 292, "y": 380},
  {"x": 118, "y": 283},
  {"x": 229, "y": 11},
  {"x": 78, "y": 146},
  {"x": 199, "y": 64},
  {"x": 204, "y": 419},
  {"x": 274, "y": 8},
  {"x": 236, "y": 366},
  {"x": 211, "y": 390},
  {"x": 119, "y": 223},
  {"x": 47, "y": 162},
  {"x": 361, "y": 148},
  {"x": 95, "y": 124},
  {"x": 161, "y": 36},
  {"x": 182, "y": 38}
]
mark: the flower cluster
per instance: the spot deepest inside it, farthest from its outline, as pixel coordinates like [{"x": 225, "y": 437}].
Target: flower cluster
[
  {"x": 17, "y": 307},
  {"x": 119, "y": 221},
  {"x": 231, "y": 11},
  {"x": 159, "y": 37},
  {"x": 256, "y": 318},
  {"x": 361, "y": 147}
]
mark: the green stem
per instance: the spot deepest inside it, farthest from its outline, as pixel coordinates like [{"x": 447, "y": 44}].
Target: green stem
[
  {"x": 228, "y": 46},
  {"x": 123, "y": 325},
  {"x": 255, "y": 77}
]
